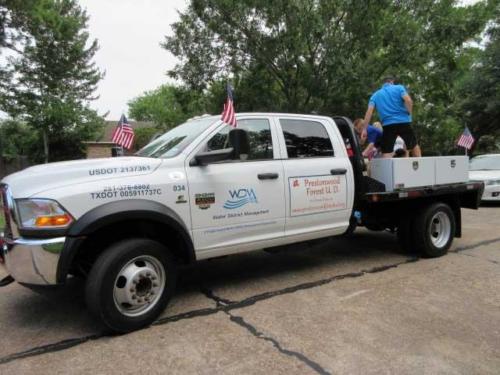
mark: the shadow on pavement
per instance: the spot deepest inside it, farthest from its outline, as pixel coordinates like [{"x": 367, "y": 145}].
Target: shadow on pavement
[
  {"x": 250, "y": 267},
  {"x": 29, "y": 319},
  {"x": 489, "y": 204}
]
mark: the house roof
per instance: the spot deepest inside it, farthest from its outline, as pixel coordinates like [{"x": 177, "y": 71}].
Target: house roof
[{"x": 110, "y": 126}]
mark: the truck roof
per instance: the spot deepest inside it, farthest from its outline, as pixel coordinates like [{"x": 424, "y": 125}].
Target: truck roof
[{"x": 242, "y": 114}]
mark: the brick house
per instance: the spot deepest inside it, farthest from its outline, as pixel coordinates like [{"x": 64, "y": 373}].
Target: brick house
[{"x": 102, "y": 148}]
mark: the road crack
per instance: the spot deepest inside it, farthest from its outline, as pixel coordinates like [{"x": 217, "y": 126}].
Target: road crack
[
  {"x": 218, "y": 300},
  {"x": 223, "y": 305},
  {"x": 290, "y": 353},
  {"x": 475, "y": 245},
  {"x": 50, "y": 348},
  {"x": 485, "y": 259}
]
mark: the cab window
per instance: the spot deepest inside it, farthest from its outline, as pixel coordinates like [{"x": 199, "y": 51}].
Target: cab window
[
  {"x": 260, "y": 144},
  {"x": 306, "y": 139}
]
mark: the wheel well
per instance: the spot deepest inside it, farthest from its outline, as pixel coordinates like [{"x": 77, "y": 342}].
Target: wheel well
[
  {"x": 94, "y": 244},
  {"x": 377, "y": 215}
]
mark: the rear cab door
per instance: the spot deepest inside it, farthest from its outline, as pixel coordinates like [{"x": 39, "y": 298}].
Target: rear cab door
[{"x": 319, "y": 183}]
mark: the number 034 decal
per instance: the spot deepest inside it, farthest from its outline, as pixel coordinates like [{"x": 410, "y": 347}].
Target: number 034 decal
[{"x": 179, "y": 187}]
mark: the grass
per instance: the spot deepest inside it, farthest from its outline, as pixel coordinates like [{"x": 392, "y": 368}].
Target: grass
[{"x": 2, "y": 221}]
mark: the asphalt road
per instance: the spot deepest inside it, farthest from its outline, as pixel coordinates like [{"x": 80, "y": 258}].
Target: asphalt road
[{"x": 345, "y": 306}]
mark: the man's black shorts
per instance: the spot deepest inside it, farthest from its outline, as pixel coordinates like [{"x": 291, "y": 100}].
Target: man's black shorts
[{"x": 392, "y": 131}]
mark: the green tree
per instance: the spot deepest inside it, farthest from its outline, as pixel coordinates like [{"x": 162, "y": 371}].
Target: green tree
[
  {"x": 16, "y": 138},
  {"x": 143, "y": 136},
  {"x": 14, "y": 17},
  {"x": 14, "y": 21},
  {"x": 52, "y": 77},
  {"x": 328, "y": 56},
  {"x": 167, "y": 106},
  {"x": 479, "y": 92}
]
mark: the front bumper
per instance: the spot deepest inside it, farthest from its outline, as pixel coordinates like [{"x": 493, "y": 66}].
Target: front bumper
[
  {"x": 491, "y": 193},
  {"x": 33, "y": 261}
]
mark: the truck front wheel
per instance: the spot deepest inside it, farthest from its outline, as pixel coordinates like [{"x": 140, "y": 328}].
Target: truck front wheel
[
  {"x": 434, "y": 230},
  {"x": 130, "y": 284}
]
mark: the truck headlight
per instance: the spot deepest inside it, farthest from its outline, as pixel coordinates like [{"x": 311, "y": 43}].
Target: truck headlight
[{"x": 42, "y": 214}]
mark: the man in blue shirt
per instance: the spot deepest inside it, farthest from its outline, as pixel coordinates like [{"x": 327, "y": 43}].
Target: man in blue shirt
[{"x": 394, "y": 107}]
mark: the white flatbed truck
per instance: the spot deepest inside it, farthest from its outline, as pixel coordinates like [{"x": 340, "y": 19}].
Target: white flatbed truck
[{"x": 205, "y": 190}]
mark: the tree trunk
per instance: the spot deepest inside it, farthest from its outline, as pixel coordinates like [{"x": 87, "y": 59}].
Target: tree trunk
[{"x": 45, "y": 145}]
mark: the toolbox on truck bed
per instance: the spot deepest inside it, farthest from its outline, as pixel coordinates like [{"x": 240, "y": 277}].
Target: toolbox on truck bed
[{"x": 400, "y": 173}]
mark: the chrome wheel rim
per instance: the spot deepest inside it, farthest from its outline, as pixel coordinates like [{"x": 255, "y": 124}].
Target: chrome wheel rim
[
  {"x": 440, "y": 229},
  {"x": 139, "y": 286}
]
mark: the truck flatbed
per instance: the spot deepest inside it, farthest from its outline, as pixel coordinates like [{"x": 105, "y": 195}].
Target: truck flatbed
[{"x": 467, "y": 190}]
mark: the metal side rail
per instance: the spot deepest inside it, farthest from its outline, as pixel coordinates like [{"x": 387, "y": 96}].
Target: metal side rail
[{"x": 427, "y": 191}]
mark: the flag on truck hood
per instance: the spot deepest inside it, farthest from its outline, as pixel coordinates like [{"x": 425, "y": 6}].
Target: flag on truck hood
[
  {"x": 466, "y": 139},
  {"x": 228, "y": 114},
  {"x": 123, "y": 134}
]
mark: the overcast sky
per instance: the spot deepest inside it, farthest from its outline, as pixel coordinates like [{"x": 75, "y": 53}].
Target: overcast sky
[{"x": 129, "y": 34}]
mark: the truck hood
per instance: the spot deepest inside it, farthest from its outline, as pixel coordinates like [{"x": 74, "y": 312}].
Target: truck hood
[
  {"x": 484, "y": 175},
  {"x": 39, "y": 178}
]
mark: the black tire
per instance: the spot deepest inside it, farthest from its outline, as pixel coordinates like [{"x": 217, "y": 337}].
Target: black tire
[
  {"x": 405, "y": 235},
  {"x": 424, "y": 230},
  {"x": 100, "y": 286}
]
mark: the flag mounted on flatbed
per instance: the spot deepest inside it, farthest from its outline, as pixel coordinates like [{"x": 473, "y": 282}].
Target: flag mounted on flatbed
[
  {"x": 228, "y": 114},
  {"x": 466, "y": 140},
  {"x": 124, "y": 134}
]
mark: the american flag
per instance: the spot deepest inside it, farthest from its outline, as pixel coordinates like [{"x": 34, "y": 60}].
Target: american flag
[
  {"x": 228, "y": 114},
  {"x": 123, "y": 134},
  {"x": 466, "y": 139}
]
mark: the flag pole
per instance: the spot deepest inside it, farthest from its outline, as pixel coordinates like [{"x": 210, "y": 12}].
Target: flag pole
[{"x": 122, "y": 151}]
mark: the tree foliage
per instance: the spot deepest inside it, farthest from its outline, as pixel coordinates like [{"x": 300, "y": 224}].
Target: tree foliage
[
  {"x": 144, "y": 135},
  {"x": 327, "y": 56},
  {"x": 51, "y": 76},
  {"x": 480, "y": 89},
  {"x": 16, "y": 138},
  {"x": 166, "y": 106}
]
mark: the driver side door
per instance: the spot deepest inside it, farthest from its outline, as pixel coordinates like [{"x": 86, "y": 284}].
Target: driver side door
[{"x": 238, "y": 204}]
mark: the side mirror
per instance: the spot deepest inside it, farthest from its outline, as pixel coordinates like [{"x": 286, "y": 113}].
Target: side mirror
[
  {"x": 204, "y": 158},
  {"x": 238, "y": 138}
]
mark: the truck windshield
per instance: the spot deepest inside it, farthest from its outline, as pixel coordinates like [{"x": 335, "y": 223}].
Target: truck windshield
[
  {"x": 177, "y": 139},
  {"x": 485, "y": 163}
]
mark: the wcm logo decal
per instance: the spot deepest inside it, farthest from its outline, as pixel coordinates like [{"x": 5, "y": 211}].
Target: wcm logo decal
[{"x": 239, "y": 198}]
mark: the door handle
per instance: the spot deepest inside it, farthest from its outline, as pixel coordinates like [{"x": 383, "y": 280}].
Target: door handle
[
  {"x": 267, "y": 176},
  {"x": 338, "y": 171}
]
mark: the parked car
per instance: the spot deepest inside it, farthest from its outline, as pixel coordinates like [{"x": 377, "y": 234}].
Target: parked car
[{"x": 486, "y": 168}]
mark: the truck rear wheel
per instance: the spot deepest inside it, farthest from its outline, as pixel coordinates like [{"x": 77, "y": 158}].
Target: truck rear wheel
[
  {"x": 434, "y": 230},
  {"x": 130, "y": 284}
]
